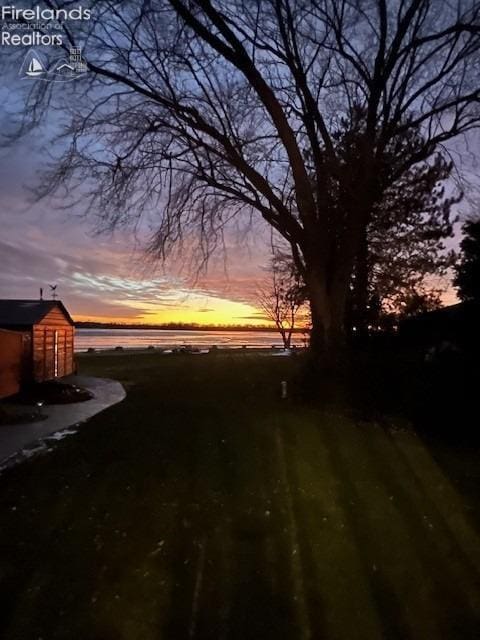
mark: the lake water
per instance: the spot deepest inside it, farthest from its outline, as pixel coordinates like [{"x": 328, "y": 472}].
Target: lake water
[{"x": 143, "y": 338}]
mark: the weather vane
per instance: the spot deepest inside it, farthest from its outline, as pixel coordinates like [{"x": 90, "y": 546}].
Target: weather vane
[{"x": 53, "y": 289}]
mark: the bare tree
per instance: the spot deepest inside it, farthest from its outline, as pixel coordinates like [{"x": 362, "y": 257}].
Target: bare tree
[
  {"x": 282, "y": 299},
  {"x": 202, "y": 110}
]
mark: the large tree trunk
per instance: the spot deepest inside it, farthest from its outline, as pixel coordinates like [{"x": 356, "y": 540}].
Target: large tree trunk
[
  {"x": 326, "y": 366},
  {"x": 327, "y": 338},
  {"x": 328, "y": 276},
  {"x": 328, "y": 284}
]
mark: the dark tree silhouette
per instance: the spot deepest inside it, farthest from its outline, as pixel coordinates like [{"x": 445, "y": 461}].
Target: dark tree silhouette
[
  {"x": 467, "y": 278},
  {"x": 403, "y": 245},
  {"x": 415, "y": 301},
  {"x": 199, "y": 111}
]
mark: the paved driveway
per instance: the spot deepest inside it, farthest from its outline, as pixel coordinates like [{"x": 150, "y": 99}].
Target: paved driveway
[{"x": 14, "y": 439}]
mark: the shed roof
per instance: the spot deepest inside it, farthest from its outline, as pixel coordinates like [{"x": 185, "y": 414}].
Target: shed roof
[{"x": 25, "y": 313}]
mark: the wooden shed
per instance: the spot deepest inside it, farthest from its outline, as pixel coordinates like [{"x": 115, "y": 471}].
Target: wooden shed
[{"x": 47, "y": 332}]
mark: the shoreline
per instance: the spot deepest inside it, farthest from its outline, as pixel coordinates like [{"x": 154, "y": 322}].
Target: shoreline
[
  {"x": 182, "y": 350},
  {"x": 106, "y": 340}
]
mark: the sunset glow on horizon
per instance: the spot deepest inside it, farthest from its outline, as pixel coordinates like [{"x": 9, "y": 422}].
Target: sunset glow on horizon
[
  {"x": 106, "y": 278},
  {"x": 219, "y": 312}
]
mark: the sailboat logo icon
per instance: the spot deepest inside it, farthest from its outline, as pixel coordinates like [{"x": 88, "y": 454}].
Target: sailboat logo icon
[
  {"x": 35, "y": 68},
  {"x": 33, "y": 65}
]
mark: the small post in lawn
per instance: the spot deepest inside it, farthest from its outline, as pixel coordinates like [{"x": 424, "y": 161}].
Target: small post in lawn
[
  {"x": 283, "y": 387},
  {"x": 39, "y": 409}
]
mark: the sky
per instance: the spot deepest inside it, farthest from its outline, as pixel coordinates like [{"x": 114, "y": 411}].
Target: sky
[{"x": 107, "y": 277}]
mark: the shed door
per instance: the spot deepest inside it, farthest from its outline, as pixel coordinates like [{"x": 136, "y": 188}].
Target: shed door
[{"x": 52, "y": 354}]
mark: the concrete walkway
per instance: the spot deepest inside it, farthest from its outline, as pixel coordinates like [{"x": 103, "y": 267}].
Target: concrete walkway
[{"x": 15, "y": 438}]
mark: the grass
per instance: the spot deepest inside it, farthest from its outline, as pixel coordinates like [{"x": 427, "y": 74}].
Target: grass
[{"x": 203, "y": 506}]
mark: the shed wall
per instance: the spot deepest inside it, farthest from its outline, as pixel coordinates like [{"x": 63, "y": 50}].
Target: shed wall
[{"x": 13, "y": 347}]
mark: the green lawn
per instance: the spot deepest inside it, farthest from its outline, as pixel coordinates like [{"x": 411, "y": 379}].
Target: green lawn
[{"x": 203, "y": 506}]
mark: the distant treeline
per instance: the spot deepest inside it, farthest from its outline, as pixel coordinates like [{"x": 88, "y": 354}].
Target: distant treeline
[{"x": 177, "y": 326}]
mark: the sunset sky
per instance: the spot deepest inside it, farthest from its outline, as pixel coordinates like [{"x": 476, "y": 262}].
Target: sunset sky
[{"x": 106, "y": 277}]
